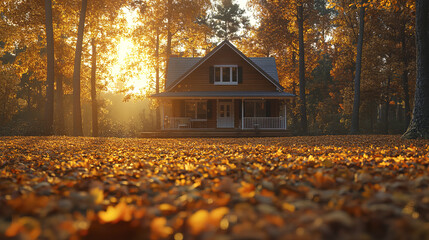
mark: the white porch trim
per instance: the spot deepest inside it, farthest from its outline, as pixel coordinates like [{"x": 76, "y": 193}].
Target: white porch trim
[{"x": 264, "y": 123}]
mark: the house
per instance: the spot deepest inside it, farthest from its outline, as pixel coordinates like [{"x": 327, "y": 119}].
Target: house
[{"x": 223, "y": 91}]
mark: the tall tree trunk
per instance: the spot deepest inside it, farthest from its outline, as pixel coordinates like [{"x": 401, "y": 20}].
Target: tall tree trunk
[
  {"x": 169, "y": 38},
  {"x": 419, "y": 125},
  {"x": 294, "y": 120},
  {"x": 371, "y": 122},
  {"x": 60, "y": 105},
  {"x": 303, "y": 107},
  {"x": 94, "y": 107},
  {"x": 49, "y": 109},
  {"x": 356, "y": 102},
  {"x": 399, "y": 116},
  {"x": 77, "y": 114},
  {"x": 386, "y": 112},
  {"x": 405, "y": 78},
  {"x": 169, "y": 35},
  {"x": 29, "y": 101},
  {"x": 158, "y": 115}
]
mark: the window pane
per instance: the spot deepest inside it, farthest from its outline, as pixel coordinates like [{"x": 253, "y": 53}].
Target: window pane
[
  {"x": 226, "y": 74},
  {"x": 234, "y": 74},
  {"x": 217, "y": 74}
]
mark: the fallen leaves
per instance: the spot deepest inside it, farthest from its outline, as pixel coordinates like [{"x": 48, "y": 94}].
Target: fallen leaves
[
  {"x": 322, "y": 181},
  {"x": 28, "y": 203},
  {"x": 326, "y": 187},
  {"x": 247, "y": 190},
  {"x": 120, "y": 212},
  {"x": 202, "y": 219},
  {"x": 27, "y": 227},
  {"x": 159, "y": 228}
]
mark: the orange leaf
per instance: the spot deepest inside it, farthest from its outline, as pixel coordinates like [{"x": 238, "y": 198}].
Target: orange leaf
[
  {"x": 217, "y": 214},
  {"x": 117, "y": 213},
  {"x": 198, "y": 221},
  {"x": 247, "y": 190},
  {"x": 322, "y": 181},
  {"x": 159, "y": 228},
  {"x": 27, "y": 226}
]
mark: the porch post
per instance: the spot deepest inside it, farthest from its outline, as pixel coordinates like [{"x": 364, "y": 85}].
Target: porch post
[
  {"x": 285, "y": 103},
  {"x": 217, "y": 112},
  {"x": 242, "y": 113},
  {"x": 162, "y": 114}
]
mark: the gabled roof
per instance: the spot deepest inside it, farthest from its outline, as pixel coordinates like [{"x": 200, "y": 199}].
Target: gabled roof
[
  {"x": 180, "y": 68},
  {"x": 268, "y": 64},
  {"x": 177, "y": 66}
]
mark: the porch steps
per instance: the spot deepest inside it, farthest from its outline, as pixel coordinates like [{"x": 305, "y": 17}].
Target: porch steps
[{"x": 219, "y": 133}]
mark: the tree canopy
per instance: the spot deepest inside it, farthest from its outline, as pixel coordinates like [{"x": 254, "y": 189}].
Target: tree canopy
[{"x": 134, "y": 39}]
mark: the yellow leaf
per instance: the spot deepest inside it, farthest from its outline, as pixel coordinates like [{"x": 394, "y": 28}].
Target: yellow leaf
[
  {"x": 97, "y": 194},
  {"x": 247, "y": 190},
  {"x": 289, "y": 207},
  {"x": 198, "y": 221},
  {"x": 165, "y": 207},
  {"x": 117, "y": 213},
  {"x": 217, "y": 214},
  {"x": 159, "y": 228}
]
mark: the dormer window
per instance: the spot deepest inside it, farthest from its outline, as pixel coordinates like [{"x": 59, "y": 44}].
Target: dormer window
[{"x": 225, "y": 74}]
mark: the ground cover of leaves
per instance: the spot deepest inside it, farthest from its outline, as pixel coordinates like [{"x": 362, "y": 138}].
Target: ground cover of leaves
[{"x": 328, "y": 187}]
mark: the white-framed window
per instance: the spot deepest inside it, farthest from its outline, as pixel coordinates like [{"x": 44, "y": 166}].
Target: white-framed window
[
  {"x": 196, "y": 109},
  {"x": 225, "y": 74}
]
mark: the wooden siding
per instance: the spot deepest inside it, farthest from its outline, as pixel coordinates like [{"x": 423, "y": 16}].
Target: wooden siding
[{"x": 199, "y": 79}]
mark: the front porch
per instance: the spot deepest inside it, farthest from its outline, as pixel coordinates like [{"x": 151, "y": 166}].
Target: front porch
[
  {"x": 223, "y": 114},
  {"x": 199, "y": 132}
]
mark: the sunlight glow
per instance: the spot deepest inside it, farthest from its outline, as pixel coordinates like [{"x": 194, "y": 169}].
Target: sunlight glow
[{"x": 128, "y": 69}]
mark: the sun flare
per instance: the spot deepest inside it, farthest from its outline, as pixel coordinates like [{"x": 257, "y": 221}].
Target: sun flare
[{"x": 128, "y": 70}]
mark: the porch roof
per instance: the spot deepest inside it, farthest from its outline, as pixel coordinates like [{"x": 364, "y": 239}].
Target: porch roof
[{"x": 217, "y": 94}]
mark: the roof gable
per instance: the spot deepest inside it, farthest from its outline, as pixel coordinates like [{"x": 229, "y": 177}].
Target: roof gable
[
  {"x": 180, "y": 68},
  {"x": 268, "y": 64},
  {"x": 177, "y": 66}
]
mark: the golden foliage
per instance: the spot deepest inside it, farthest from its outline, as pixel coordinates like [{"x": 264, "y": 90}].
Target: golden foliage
[{"x": 259, "y": 188}]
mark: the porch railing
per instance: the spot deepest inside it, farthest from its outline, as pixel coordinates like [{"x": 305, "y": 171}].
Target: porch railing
[
  {"x": 264, "y": 123},
  {"x": 177, "y": 122},
  {"x": 248, "y": 123},
  {"x": 184, "y": 122}
]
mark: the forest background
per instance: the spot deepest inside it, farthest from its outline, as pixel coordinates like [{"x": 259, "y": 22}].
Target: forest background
[{"x": 126, "y": 44}]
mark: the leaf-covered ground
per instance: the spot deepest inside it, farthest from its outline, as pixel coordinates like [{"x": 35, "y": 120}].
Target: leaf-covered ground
[{"x": 331, "y": 187}]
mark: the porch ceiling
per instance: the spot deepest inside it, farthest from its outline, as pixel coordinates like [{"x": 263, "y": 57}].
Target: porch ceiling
[{"x": 229, "y": 95}]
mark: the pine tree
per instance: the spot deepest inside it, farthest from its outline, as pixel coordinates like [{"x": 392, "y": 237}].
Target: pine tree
[{"x": 228, "y": 20}]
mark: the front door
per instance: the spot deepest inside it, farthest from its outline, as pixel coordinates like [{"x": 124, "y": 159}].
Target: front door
[{"x": 225, "y": 118}]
